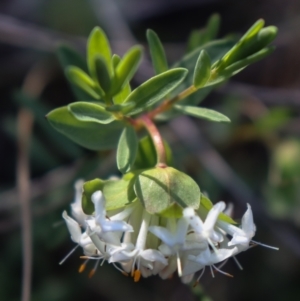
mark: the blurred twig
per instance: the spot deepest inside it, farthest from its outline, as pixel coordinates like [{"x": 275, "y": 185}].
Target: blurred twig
[
  {"x": 33, "y": 85},
  {"x": 189, "y": 134}
]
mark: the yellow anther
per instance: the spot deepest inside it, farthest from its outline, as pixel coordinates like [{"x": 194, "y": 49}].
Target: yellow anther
[
  {"x": 137, "y": 276},
  {"x": 82, "y": 268}
]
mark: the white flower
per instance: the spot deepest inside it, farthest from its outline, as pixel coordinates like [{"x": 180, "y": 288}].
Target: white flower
[
  {"x": 206, "y": 230},
  {"x": 142, "y": 244},
  {"x": 76, "y": 208},
  {"x": 242, "y": 236},
  {"x": 108, "y": 230},
  {"x": 79, "y": 237},
  {"x": 147, "y": 261}
]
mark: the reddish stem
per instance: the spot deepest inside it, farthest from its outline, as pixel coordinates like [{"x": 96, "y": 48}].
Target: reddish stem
[{"x": 156, "y": 138}]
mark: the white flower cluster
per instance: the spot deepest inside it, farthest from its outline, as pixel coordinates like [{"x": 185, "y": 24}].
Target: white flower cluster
[{"x": 142, "y": 244}]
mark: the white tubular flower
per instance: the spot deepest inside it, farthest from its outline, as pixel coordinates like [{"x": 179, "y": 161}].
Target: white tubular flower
[
  {"x": 206, "y": 231},
  {"x": 207, "y": 257},
  {"x": 82, "y": 239},
  {"x": 242, "y": 236},
  {"x": 108, "y": 230},
  {"x": 76, "y": 208},
  {"x": 143, "y": 244},
  {"x": 141, "y": 261}
]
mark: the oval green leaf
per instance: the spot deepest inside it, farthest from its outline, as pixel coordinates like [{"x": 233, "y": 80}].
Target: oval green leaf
[
  {"x": 97, "y": 44},
  {"x": 155, "y": 89},
  {"x": 79, "y": 78},
  {"x": 202, "y": 70},
  {"x": 203, "y": 113},
  {"x": 102, "y": 73},
  {"x": 126, "y": 68},
  {"x": 89, "y": 111},
  {"x": 159, "y": 189},
  {"x": 91, "y": 135},
  {"x": 127, "y": 149},
  {"x": 157, "y": 52}
]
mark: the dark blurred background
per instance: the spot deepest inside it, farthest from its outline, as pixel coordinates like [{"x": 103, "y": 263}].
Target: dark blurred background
[{"x": 255, "y": 159}]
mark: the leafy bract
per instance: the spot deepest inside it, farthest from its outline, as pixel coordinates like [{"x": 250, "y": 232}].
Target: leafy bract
[
  {"x": 164, "y": 190},
  {"x": 127, "y": 149},
  {"x": 203, "y": 113},
  {"x": 90, "y": 111},
  {"x": 155, "y": 89},
  {"x": 90, "y": 135},
  {"x": 119, "y": 193},
  {"x": 89, "y": 188},
  {"x": 157, "y": 52}
]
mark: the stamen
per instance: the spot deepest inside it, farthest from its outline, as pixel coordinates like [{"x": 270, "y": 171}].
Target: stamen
[
  {"x": 179, "y": 268},
  {"x": 212, "y": 245},
  {"x": 120, "y": 270},
  {"x": 68, "y": 255},
  {"x": 237, "y": 263},
  {"x": 137, "y": 276},
  {"x": 82, "y": 267},
  {"x": 212, "y": 271},
  {"x": 224, "y": 273},
  {"x": 264, "y": 245},
  {"x": 93, "y": 271},
  {"x": 198, "y": 279}
]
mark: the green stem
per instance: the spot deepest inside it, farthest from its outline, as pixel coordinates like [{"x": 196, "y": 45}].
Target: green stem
[{"x": 156, "y": 138}]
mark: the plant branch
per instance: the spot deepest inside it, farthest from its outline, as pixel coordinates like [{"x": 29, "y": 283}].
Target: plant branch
[{"x": 167, "y": 104}]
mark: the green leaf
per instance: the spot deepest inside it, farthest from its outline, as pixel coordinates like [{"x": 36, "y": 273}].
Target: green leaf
[
  {"x": 115, "y": 61},
  {"x": 97, "y": 44},
  {"x": 241, "y": 48},
  {"x": 202, "y": 70},
  {"x": 212, "y": 27},
  {"x": 159, "y": 189},
  {"x": 157, "y": 52},
  {"x": 126, "y": 68},
  {"x": 215, "y": 50},
  {"x": 91, "y": 135},
  {"x": 239, "y": 65},
  {"x": 68, "y": 56},
  {"x": 89, "y": 188},
  {"x": 83, "y": 81},
  {"x": 88, "y": 111},
  {"x": 122, "y": 95},
  {"x": 102, "y": 73},
  {"x": 155, "y": 89},
  {"x": 200, "y": 37},
  {"x": 203, "y": 113},
  {"x": 119, "y": 193},
  {"x": 127, "y": 149},
  {"x": 123, "y": 107},
  {"x": 146, "y": 154}
]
